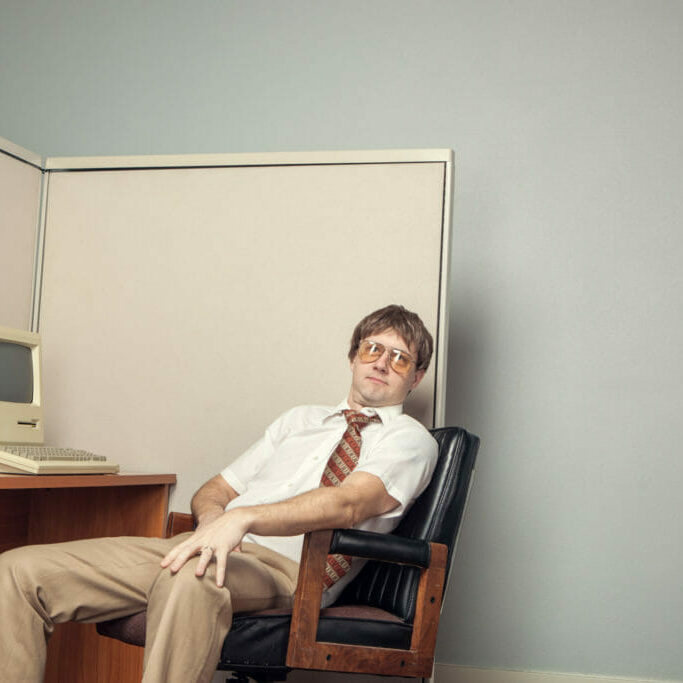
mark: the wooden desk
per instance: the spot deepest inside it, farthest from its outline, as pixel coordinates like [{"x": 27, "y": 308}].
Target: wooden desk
[{"x": 53, "y": 508}]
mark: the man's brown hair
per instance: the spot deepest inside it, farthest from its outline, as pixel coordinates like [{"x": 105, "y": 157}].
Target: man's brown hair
[{"x": 405, "y": 323}]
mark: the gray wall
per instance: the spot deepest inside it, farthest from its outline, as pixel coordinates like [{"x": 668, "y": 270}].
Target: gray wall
[{"x": 566, "y": 326}]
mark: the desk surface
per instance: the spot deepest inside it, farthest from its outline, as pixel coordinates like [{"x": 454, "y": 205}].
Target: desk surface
[{"x": 60, "y": 481}]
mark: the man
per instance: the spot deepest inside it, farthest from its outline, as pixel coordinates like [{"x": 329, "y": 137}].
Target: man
[{"x": 361, "y": 464}]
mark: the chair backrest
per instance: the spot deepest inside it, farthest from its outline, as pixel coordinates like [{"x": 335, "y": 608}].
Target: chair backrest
[{"x": 435, "y": 516}]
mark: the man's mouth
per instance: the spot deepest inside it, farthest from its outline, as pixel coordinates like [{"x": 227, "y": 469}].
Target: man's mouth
[{"x": 377, "y": 380}]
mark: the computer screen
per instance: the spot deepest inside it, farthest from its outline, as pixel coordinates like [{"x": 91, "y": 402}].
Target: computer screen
[{"x": 21, "y": 418}]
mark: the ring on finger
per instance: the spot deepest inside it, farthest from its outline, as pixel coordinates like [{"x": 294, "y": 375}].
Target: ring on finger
[{"x": 208, "y": 548}]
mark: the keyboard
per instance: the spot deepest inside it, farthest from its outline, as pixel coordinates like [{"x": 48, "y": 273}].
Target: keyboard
[{"x": 49, "y": 460}]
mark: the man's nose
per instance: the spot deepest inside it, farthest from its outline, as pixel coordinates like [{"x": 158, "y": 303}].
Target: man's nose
[{"x": 382, "y": 363}]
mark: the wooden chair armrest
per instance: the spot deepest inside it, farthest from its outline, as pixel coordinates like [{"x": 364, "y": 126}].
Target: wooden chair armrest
[
  {"x": 178, "y": 523},
  {"x": 305, "y": 652}
]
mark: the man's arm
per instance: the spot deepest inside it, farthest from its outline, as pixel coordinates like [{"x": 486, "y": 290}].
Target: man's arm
[
  {"x": 361, "y": 496},
  {"x": 210, "y": 500}
]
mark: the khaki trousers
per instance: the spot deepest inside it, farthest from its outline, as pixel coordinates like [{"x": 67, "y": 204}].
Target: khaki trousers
[{"x": 99, "y": 579}]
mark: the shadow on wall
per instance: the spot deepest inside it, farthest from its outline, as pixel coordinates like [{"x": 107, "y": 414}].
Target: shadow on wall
[{"x": 464, "y": 394}]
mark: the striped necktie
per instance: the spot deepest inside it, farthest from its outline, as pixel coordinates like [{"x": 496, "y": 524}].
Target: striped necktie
[{"x": 341, "y": 463}]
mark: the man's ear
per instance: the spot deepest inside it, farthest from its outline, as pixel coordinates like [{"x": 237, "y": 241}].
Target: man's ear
[{"x": 419, "y": 374}]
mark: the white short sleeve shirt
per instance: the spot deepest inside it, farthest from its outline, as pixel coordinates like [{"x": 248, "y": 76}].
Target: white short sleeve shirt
[{"x": 290, "y": 458}]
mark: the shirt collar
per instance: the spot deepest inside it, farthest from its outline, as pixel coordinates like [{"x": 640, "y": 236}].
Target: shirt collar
[{"x": 385, "y": 413}]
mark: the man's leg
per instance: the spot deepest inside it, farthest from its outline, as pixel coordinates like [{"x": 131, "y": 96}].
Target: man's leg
[
  {"x": 188, "y": 617},
  {"x": 90, "y": 580}
]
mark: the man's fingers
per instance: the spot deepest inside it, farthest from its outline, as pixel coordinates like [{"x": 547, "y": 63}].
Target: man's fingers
[
  {"x": 183, "y": 556},
  {"x": 171, "y": 555},
  {"x": 179, "y": 555},
  {"x": 221, "y": 563},
  {"x": 206, "y": 554},
  {"x": 208, "y": 543}
]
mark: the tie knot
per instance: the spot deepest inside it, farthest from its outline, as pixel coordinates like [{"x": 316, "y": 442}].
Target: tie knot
[{"x": 360, "y": 420}]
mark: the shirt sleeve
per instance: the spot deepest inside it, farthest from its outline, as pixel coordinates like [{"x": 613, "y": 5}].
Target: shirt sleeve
[
  {"x": 404, "y": 461},
  {"x": 247, "y": 466}
]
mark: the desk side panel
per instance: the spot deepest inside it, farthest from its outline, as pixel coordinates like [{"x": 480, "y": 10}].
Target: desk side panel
[
  {"x": 67, "y": 514},
  {"x": 76, "y": 653},
  {"x": 14, "y": 519}
]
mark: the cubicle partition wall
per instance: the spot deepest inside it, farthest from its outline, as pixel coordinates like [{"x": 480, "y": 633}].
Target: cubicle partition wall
[
  {"x": 186, "y": 302},
  {"x": 20, "y": 182}
]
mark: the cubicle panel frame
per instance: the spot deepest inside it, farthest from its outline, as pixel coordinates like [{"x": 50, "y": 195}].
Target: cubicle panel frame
[
  {"x": 93, "y": 174},
  {"x": 323, "y": 158},
  {"x": 21, "y": 175},
  {"x": 20, "y": 153}
]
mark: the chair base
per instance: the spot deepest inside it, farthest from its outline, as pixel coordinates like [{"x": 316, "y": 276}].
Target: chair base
[{"x": 254, "y": 674}]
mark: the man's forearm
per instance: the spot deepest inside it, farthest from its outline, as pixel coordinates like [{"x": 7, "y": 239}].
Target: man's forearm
[
  {"x": 360, "y": 497},
  {"x": 323, "y": 508}
]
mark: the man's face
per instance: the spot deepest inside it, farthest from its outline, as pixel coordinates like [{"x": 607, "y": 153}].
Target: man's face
[{"x": 377, "y": 384}]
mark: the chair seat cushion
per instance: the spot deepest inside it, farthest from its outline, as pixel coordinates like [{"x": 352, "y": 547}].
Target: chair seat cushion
[
  {"x": 130, "y": 629},
  {"x": 261, "y": 637}
]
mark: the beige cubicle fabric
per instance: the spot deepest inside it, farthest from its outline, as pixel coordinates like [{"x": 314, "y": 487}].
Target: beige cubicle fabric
[
  {"x": 183, "y": 309},
  {"x": 19, "y": 208}
]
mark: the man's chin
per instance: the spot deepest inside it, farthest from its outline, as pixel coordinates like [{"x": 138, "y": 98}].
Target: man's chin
[
  {"x": 368, "y": 399},
  {"x": 374, "y": 399}
]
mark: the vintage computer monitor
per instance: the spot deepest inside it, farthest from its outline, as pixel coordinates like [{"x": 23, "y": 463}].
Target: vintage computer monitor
[{"x": 21, "y": 415}]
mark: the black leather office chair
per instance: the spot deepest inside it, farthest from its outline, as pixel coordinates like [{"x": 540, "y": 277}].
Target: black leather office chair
[{"x": 385, "y": 621}]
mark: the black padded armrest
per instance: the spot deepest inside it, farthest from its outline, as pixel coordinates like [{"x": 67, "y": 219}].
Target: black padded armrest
[{"x": 383, "y": 547}]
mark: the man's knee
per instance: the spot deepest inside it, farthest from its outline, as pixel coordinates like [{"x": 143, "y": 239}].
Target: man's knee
[
  {"x": 16, "y": 558},
  {"x": 19, "y": 567}
]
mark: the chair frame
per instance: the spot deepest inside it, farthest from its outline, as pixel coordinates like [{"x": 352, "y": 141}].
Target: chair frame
[{"x": 305, "y": 652}]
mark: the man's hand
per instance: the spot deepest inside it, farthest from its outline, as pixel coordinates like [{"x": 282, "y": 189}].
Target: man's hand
[{"x": 212, "y": 539}]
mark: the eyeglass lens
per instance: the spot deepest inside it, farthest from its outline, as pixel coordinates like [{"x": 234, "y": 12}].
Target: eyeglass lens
[{"x": 370, "y": 351}]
